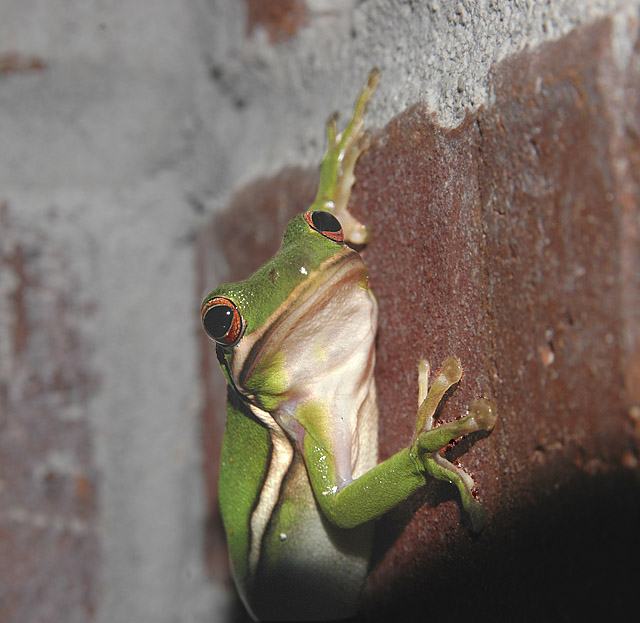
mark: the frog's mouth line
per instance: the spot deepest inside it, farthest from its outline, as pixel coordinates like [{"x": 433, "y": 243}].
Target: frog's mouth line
[
  {"x": 343, "y": 267},
  {"x": 222, "y": 360}
]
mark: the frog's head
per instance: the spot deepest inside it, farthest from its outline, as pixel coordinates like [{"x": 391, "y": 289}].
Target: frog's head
[{"x": 302, "y": 293}]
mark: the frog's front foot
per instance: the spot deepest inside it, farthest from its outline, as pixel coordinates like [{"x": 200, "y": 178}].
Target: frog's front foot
[
  {"x": 429, "y": 441},
  {"x": 337, "y": 169}
]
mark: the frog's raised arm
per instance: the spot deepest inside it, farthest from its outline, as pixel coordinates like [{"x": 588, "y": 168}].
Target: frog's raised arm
[{"x": 337, "y": 169}]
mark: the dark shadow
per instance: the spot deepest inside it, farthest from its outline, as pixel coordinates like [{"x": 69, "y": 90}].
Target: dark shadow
[{"x": 571, "y": 556}]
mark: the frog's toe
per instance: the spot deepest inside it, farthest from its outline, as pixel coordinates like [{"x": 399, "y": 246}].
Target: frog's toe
[
  {"x": 364, "y": 142},
  {"x": 452, "y": 370},
  {"x": 423, "y": 380},
  {"x": 332, "y": 130},
  {"x": 477, "y": 516}
]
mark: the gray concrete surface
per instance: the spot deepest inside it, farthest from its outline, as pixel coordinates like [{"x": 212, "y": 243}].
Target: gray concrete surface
[{"x": 143, "y": 119}]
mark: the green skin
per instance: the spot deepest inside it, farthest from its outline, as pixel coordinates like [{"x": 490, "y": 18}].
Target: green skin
[{"x": 299, "y": 480}]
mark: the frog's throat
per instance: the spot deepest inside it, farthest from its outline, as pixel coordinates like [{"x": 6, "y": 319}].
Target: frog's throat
[{"x": 341, "y": 267}]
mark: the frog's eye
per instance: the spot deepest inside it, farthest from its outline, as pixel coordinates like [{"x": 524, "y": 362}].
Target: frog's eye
[
  {"x": 325, "y": 223},
  {"x": 222, "y": 321}
]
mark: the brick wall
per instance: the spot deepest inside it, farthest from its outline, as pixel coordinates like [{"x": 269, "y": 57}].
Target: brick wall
[{"x": 153, "y": 151}]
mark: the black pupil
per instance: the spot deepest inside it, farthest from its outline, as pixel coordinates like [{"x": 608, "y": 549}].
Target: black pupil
[
  {"x": 325, "y": 221},
  {"x": 217, "y": 321}
]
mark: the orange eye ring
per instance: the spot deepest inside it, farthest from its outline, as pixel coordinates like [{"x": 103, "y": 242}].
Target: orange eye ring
[
  {"x": 222, "y": 321},
  {"x": 326, "y": 224}
]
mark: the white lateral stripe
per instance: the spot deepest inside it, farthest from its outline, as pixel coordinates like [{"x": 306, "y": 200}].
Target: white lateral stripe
[{"x": 281, "y": 457}]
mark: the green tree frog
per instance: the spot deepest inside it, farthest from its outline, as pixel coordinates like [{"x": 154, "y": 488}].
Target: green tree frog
[{"x": 300, "y": 483}]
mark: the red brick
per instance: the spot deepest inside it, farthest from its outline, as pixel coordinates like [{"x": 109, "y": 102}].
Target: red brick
[{"x": 280, "y": 18}]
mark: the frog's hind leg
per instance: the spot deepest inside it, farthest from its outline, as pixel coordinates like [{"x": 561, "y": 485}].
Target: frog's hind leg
[
  {"x": 337, "y": 169},
  {"x": 429, "y": 441}
]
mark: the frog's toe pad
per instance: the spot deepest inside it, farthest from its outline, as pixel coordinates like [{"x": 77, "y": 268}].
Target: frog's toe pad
[
  {"x": 452, "y": 370},
  {"x": 484, "y": 413}
]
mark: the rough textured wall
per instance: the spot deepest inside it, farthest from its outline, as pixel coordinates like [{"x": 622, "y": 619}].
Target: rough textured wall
[
  {"x": 511, "y": 240},
  {"x": 125, "y": 125},
  {"x": 101, "y": 501}
]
